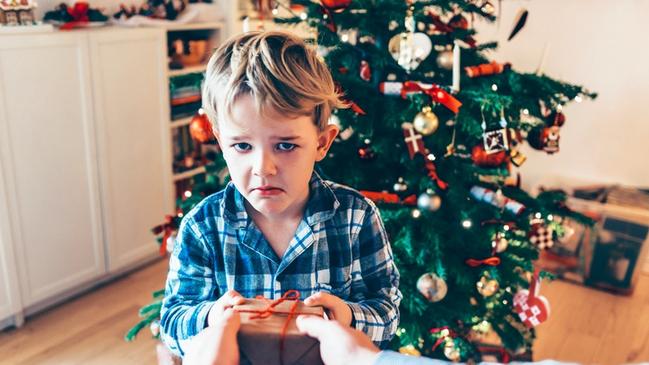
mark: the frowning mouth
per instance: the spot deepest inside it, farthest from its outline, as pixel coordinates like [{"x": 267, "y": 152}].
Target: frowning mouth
[{"x": 267, "y": 190}]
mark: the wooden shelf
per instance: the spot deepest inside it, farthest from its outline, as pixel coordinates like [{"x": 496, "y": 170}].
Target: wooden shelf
[
  {"x": 188, "y": 70},
  {"x": 189, "y": 173},
  {"x": 194, "y": 26},
  {"x": 181, "y": 122}
]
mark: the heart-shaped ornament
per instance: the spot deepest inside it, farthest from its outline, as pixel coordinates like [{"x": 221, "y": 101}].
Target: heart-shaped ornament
[
  {"x": 532, "y": 311},
  {"x": 410, "y": 49}
]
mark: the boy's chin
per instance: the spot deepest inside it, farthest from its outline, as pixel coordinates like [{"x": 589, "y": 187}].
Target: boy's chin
[{"x": 268, "y": 207}]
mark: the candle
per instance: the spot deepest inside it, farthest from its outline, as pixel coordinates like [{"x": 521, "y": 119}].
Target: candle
[{"x": 456, "y": 67}]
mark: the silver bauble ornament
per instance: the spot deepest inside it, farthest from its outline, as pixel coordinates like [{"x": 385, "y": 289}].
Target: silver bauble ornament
[{"x": 429, "y": 201}]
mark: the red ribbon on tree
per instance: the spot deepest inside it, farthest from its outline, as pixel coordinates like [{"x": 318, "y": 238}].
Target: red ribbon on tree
[
  {"x": 449, "y": 333},
  {"x": 491, "y": 261},
  {"x": 436, "y": 93},
  {"x": 503, "y": 358},
  {"x": 432, "y": 173},
  {"x": 383, "y": 197},
  {"x": 79, "y": 14},
  {"x": 292, "y": 295},
  {"x": 357, "y": 109}
]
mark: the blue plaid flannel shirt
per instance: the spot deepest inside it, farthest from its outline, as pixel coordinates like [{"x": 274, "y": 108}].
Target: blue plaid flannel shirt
[{"x": 340, "y": 247}]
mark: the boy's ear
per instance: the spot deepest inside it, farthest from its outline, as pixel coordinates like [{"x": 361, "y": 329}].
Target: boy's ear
[{"x": 325, "y": 139}]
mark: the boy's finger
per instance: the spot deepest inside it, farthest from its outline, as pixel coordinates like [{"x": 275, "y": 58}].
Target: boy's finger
[{"x": 321, "y": 298}]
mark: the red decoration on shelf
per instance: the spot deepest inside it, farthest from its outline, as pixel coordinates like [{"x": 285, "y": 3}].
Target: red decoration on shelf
[
  {"x": 166, "y": 229},
  {"x": 486, "y": 69},
  {"x": 532, "y": 308},
  {"x": 200, "y": 128},
  {"x": 481, "y": 158},
  {"x": 79, "y": 14}
]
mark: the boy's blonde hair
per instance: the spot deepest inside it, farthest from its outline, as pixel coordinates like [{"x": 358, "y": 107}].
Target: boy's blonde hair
[{"x": 277, "y": 69}]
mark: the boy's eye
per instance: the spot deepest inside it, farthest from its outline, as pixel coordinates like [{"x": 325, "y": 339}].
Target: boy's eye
[
  {"x": 285, "y": 146},
  {"x": 242, "y": 147}
]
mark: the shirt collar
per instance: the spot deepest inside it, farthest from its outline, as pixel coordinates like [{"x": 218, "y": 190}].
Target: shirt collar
[{"x": 321, "y": 206}]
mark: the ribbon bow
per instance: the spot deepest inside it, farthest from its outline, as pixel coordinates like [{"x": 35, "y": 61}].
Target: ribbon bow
[
  {"x": 445, "y": 334},
  {"x": 491, "y": 261},
  {"x": 435, "y": 92},
  {"x": 79, "y": 14},
  {"x": 292, "y": 295}
]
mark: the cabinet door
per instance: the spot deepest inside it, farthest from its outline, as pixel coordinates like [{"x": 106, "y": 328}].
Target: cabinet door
[
  {"x": 49, "y": 162},
  {"x": 10, "y": 303},
  {"x": 131, "y": 111}
]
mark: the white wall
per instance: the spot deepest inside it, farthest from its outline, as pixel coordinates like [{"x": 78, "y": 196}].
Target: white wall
[{"x": 599, "y": 44}]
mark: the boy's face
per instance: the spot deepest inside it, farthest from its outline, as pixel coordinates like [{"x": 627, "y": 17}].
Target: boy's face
[{"x": 271, "y": 157}]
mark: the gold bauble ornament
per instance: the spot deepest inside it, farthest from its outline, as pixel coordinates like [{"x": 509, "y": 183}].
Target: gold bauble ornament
[
  {"x": 432, "y": 287},
  {"x": 426, "y": 122},
  {"x": 451, "y": 351},
  {"x": 487, "y": 286},
  {"x": 445, "y": 59},
  {"x": 409, "y": 350}
]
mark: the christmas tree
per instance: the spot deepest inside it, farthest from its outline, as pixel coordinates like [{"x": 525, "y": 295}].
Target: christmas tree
[{"x": 433, "y": 136}]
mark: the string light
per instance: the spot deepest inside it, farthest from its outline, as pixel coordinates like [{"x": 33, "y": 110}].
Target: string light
[
  {"x": 188, "y": 194},
  {"x": 579, "y": 99},
  {"x": 344, "y": 38},
  {"x": 550, "y": 217},
  {"x": 275, "y": 11},
  {"x": 303, "y": 16},
  {"x": 416, "y": 213},
  {"x": 538, "y": 215},
  {"x": 506, "y": 227},
  {"x": 494, "y": 87},
  {"x": 180, "y": 215},
  {"x": 467, "y": 223},
  {"x": 526, "y": 111}
]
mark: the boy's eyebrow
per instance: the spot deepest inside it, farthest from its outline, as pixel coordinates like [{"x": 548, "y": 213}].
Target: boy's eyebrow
[{"x": 286, "y": 138}]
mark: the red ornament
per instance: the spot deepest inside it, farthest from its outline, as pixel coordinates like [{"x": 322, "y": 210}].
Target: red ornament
[
  {"x": 532, "y": 308},
  {"x": 337, "y": 6},
  {"x": 366, "y": 71},
  {"x": 556, "y": 118},
  {"x": 200, "y": 128},
  {"x": 481, "y": 158},
  {"x": 544, "y": 138}
]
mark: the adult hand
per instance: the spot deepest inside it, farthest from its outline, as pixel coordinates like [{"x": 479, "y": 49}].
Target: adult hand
[
  {"x": 216, "y": 344},
  {"x": 336, "y": 307},
  {"x": 227, "y": 300},
  {"x": 339, "y": 344}
]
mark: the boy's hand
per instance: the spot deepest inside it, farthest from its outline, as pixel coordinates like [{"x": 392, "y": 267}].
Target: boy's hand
[
  {"x": 217, "y": 344},
  {"x": 227, "y": 300},
  {"x": 336, "y": 307}
]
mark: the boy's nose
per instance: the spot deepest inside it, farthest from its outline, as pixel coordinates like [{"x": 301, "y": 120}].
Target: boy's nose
[{"x": 264, "y": 165}]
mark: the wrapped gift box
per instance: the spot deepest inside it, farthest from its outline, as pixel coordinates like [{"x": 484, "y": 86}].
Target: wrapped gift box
[{"x": 262, "y": 336}]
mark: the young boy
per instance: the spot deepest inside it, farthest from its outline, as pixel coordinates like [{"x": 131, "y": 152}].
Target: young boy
[{"x": 277, "y": 225}]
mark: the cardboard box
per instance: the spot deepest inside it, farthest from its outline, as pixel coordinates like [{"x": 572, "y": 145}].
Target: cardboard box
[{"x": 261, "y": 340}]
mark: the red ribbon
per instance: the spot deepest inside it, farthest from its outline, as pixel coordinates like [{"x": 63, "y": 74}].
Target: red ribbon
[
  {"x": 439, "y": 341},
  {"x": 357, "y": 109},
  {"x": 491, "y": 261},
  {"x": 432, "y": 173},
  {"x": 292, "y": 295},
  {"x": 383, "y": 197},
  {"x": 79, "y": 14},
  {"x": 435, "y": 92}
]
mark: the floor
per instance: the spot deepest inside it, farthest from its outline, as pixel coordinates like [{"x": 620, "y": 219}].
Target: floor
[{"x": 585, "y": 326}]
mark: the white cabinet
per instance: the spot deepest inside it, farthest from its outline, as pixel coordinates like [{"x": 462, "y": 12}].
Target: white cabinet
[
  {"x": 84, "y": 159},
  {"x": 131, "y": 115}
]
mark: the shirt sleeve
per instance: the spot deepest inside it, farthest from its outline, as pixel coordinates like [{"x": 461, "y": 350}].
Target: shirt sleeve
[
  {"x": 190, "y": 289},
  {"x": 375, "y": 296},
  {"x": 395, "y": 358}
]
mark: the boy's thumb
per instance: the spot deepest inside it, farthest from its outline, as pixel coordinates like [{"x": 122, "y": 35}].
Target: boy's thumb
[{"x": 311, "y": 325}]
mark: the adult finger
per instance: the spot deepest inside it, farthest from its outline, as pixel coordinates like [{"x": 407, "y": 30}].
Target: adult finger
[{"x": 311, "y": 325}]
